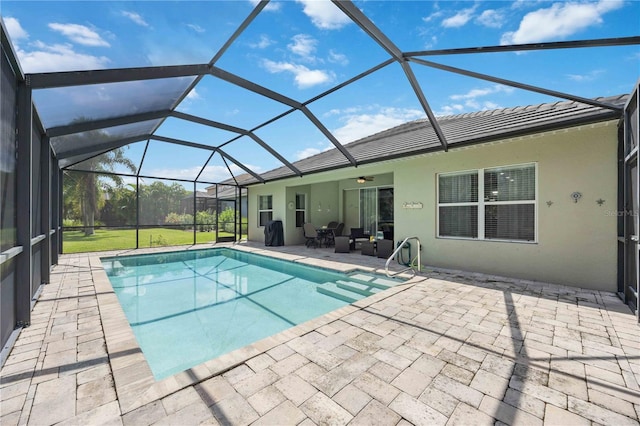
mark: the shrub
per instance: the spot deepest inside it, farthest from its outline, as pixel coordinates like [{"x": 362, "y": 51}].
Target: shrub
[
  {"x": 159, "y": 240},
  {"x": 186, "y": 220},
  {"x": 227, "y": 219},
  {"x": 206, "y": 221},
  {"x": 71, "y": 222}
]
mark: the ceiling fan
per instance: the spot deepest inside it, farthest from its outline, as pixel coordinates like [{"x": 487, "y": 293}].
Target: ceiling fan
[{"x": 363, "y": 179}]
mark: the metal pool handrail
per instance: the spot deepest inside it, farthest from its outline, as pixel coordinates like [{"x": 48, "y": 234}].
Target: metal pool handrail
[{"x": 410, "y": 268}]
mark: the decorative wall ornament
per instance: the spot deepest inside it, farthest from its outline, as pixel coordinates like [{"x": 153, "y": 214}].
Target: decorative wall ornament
[
  {"x": 600, "y": 201},
  {"x": 411, "y": 205},
  {"x": 575, "y": 196},
  {"x": 549, "y": 203}
]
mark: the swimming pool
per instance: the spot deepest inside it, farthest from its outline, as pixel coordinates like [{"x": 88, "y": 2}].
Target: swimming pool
[{"x": 191, "y": 306}]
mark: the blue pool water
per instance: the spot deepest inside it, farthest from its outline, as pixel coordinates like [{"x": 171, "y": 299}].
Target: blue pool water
[{"x": 191, "y": 306}]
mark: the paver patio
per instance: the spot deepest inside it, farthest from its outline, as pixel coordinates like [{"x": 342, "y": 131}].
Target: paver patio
[{"x": 446, "y": 348}]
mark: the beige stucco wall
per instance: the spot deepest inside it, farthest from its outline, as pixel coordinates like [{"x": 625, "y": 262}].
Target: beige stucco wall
[{"x": 576, "y": 242}]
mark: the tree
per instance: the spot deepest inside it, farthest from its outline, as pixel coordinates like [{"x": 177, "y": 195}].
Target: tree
[
  {"x": 158, "y": 200},
  {"x": 83, "y": 191}
]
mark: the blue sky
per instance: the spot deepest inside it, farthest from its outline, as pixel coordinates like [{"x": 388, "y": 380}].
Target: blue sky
[{"x": 303, "y": 48}]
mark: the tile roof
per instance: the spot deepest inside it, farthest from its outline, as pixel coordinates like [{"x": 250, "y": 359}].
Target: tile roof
[{"x": 418, "y": 137}]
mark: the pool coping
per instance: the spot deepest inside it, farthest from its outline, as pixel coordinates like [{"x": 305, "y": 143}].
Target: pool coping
[{"x": 133, "y": 380}]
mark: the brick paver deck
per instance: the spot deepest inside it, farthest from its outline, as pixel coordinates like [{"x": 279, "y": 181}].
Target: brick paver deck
[{"x": 446, "y": 348}]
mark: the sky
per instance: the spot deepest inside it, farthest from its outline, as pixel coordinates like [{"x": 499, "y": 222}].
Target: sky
[{"x": 302, "y": 49}]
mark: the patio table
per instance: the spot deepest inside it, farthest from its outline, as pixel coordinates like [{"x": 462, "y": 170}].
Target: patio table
[{"x": 324, "y": 234}]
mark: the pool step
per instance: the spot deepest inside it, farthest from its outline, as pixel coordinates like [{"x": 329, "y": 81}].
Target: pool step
[
  {"x": 332, "y": 289},
  {"x": 373, "y": 281},
  {"x": 356, "y": 287}
]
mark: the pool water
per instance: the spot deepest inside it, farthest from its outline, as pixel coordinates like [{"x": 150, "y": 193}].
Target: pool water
[{"x": 192, "y": 306}]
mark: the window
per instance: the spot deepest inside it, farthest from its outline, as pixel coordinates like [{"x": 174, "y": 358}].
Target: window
[
  {"x": 488, "y": 204},
  {"x": 301, "y": 210},
  {"x": 265, "y": 209}
]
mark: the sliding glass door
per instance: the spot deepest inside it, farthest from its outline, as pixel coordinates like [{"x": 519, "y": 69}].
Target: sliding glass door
[
  {"x": 376, "y": 210},
  {"x": 369, "y": 210}
]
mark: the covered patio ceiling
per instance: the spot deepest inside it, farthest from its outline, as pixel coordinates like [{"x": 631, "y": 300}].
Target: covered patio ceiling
[{"x": 137, "y": 101}]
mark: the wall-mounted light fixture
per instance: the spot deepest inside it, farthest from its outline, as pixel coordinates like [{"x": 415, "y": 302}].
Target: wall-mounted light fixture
[{"x": 575, "y": 196}]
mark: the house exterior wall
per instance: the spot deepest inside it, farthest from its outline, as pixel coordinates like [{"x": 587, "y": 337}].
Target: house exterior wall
[{"x": 576, "y": 242}]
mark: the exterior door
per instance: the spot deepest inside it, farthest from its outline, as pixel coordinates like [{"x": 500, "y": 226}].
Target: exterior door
[{"x": 629, "y": 211}]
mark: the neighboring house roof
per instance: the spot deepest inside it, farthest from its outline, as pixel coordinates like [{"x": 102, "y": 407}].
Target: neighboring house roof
[
  {"x": 225, "y": 192},
  {"x": 418, "y": 137},
  {"x": 199, "y": 194}
]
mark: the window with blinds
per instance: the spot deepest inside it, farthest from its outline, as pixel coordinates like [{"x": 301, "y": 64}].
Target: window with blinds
[
  {"x": 265, "y": 209},
  {"x": 458, "y": 205},
  {"x": 506, "y": 210}
]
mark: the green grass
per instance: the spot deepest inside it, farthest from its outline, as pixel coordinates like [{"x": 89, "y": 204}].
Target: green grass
[{"x": 117, "y": 239}]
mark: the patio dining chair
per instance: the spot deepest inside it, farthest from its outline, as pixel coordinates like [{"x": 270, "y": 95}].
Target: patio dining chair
[
  {"x": 334, "y": 229},
  {"x": 311, "y": 235}
]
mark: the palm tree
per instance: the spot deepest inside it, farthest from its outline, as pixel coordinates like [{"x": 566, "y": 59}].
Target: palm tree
[{"x": 84, "y": 190}]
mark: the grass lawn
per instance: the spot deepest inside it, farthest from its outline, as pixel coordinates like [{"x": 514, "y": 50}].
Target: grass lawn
[{"x": 117, "y": 239}]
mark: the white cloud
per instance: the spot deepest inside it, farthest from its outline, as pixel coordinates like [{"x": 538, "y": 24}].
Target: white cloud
[
  {"x": 193, "y": 95},
  {"x": 491, "y": 18},
  {"x": 459, "y": 19},
  {"x": 136, "y": 18},
  {"x": 432, "y": 17},
  {"x": 345, "y": 111},
  {"x": 15, "y": 30},
  {"x": 450, "y": 110},
  {"x": 58, "y": 57},
  {"x": 308, "y": 152},
  {"x": 79, "y": 34},
  {"x": 338, "y": 58},
  {"x": 582, "y": 78},
  {"x": 471, "y": 101},
  {"x": 196, "y": 28},
  {"x": 272, "y": 6},
  {"x": 365, "y": 121},
  {"x": 559, "y": 21},
  {"x": 303, "y": 45},
  {"x": 304, "y": 77},
  {"x": 476, "y": 93},
  {"x": 210, "y": 173},
  {"x": 431, "y": 43},
  {"x": 324, "y": 14},
  {"x": 192, "y": 98},
  {"x": 263, "y": 43}
]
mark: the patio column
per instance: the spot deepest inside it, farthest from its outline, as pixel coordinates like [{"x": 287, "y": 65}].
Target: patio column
[
  {"x": 45, "y": 206},
  {"x": 23, "y": 206}
]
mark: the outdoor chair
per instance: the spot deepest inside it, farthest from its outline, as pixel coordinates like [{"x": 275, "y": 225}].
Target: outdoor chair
[
  {"x": 358, "y": 236},
  {"x": 335, "y": 229},
  {"x": 385, "y": 248},
  {"x": 368, "y": 248},
  {"x": 311, "y": 235},
  {"x": 342, "y": 244}
]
